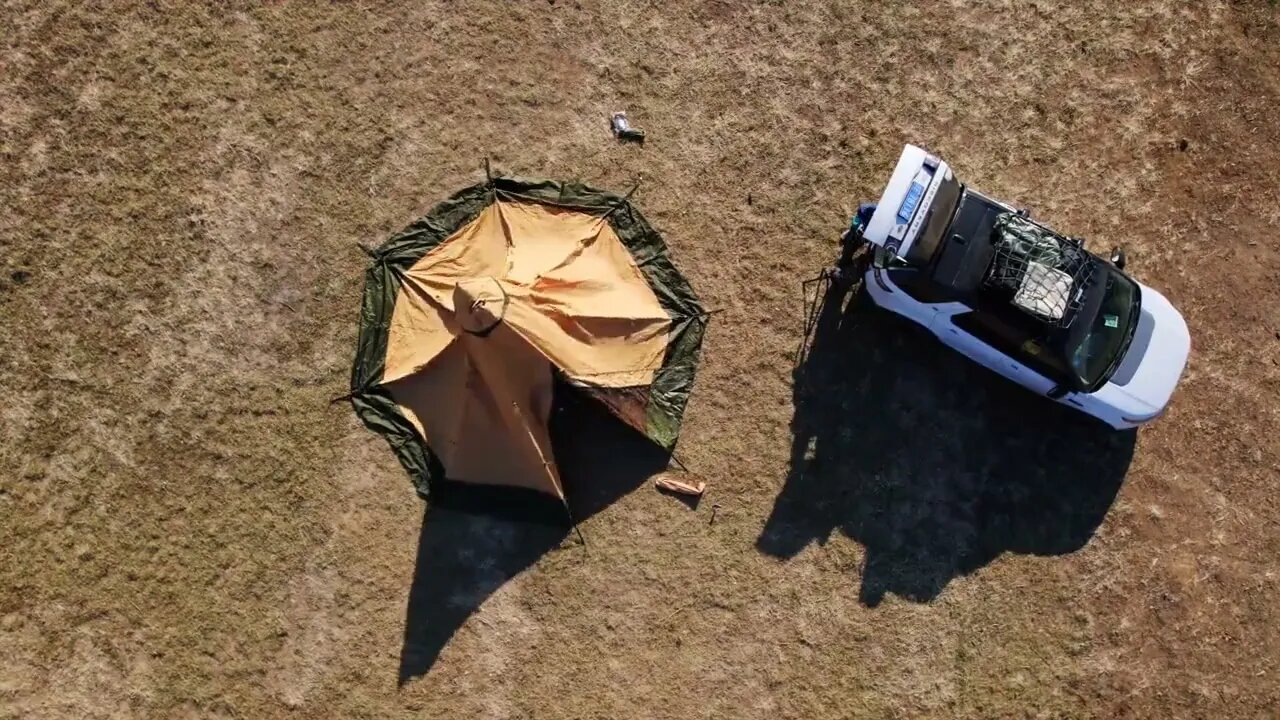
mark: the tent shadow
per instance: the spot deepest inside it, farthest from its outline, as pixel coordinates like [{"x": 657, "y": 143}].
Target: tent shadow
[
  {"x": 935, "y": 465},
  {"x": 474, "y": 539}
]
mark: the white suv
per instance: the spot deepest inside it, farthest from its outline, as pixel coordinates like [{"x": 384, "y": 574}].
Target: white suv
[{"x": 1018, "y": 298}]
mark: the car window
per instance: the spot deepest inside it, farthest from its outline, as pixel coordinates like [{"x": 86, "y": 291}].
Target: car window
[
  {"x": 1014, "y": 341},
  {"x": 1098, "y": 345}
]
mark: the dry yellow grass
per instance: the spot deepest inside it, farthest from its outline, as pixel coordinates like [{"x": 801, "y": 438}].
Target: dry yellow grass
[{"x": 187, "y": 529}]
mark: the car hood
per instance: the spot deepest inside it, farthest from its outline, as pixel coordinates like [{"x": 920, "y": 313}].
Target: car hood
[{"x": 1157, "y": 355}]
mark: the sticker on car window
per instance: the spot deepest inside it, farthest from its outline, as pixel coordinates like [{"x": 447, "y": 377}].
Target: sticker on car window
[{"x": 1111, "y": 320}]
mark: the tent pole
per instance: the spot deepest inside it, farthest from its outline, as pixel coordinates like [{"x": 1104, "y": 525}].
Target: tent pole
[{"x": 546, "y": 467}]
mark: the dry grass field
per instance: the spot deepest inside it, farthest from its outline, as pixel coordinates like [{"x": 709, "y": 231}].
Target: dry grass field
[{"x": 189, "y": 530}]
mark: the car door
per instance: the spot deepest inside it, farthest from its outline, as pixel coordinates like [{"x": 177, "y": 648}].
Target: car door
[{"x": 994, "y": 344}]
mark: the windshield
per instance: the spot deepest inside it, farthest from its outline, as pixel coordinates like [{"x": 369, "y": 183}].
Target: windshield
[
  {"x": 1098, "y": 349},
  {"x": 935, "y": 224}
]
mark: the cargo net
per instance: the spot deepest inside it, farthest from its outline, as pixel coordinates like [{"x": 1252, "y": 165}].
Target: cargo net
[{"x": 1041, "y": 272}]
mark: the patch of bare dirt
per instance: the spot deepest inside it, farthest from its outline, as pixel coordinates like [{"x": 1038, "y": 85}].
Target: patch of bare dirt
[{"x": 189, "y": 529}]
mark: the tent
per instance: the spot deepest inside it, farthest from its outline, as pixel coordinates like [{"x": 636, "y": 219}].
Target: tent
[{"x": 474, "y": 313}]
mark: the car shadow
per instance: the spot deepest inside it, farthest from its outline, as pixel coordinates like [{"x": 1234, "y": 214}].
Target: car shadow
[
  {"x": 934, "y": 464},
  {"x": 474, "y": 539}
]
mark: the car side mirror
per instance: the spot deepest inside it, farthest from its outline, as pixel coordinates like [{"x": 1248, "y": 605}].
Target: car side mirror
[
  {"x": 880, "y": 258},
  {"x": 1117, "y": 257},
  {"x": 1058, "y": 392}
]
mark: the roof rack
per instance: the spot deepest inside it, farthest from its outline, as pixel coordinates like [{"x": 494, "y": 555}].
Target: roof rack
[{"x": 1043, "y": 273}]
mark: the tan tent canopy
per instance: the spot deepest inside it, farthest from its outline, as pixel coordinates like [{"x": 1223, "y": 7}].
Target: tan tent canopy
[{"x": 472, "y": 313}]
